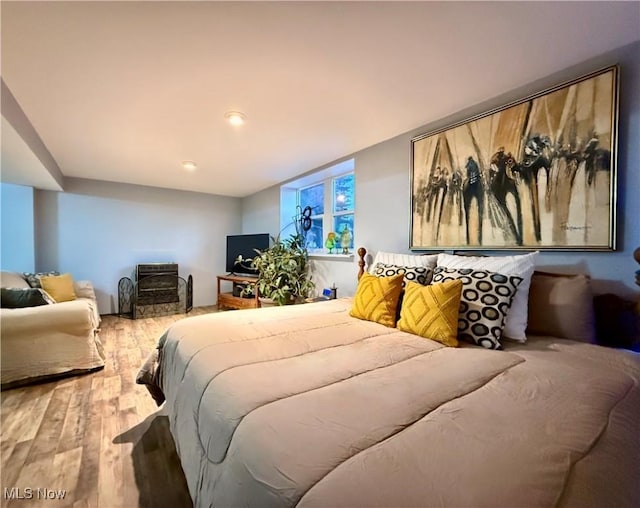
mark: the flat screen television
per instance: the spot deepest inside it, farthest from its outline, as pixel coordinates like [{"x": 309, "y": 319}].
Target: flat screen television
[{"x": 244, "y": 245}]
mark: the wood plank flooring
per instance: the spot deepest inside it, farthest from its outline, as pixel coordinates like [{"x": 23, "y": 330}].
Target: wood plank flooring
[{"x": 98, "y": 436}]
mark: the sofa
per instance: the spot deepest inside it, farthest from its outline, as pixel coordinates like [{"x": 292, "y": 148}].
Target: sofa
[{"x": 51, "y": 339}]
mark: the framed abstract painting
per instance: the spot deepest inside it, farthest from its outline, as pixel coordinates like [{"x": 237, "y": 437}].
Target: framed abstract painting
[{"x": 539, "y": 173}]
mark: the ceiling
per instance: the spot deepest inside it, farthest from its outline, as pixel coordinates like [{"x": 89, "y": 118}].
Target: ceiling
[{"x": 125, "y": 91}]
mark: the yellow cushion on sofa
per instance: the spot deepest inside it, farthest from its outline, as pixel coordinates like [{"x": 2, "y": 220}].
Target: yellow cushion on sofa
[
  {"x": 432, "y": 311},
  {"x": 376, "y": 299},
  {"x": 60, "y": 287}
]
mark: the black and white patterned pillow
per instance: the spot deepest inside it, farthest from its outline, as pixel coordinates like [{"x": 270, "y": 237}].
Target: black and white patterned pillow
[
  {"x": 485, "y": 301},
  {"x": 34, "y": 278},
  {"x": 419, "y": 274}
]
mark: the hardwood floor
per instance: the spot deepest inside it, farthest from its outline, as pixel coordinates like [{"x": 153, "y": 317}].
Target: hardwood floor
[{"x": 98, "y": 436}]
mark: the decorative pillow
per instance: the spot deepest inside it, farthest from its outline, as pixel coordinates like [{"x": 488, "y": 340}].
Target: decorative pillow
[
  {"x": 34, "y": 278},
  {"x": 19, "y": 298},
  {"x": 516, "y": 324},
  {"x": 376, "y": 299},
  {"x": 420, "y": 274},
  {"x": 392, "y": 258},
  {"x": 432, "y": 311},
  {"x": 60, "y": 287},
  {"x": 484, "y": 304},
  {"x": 561, "y": 306}
]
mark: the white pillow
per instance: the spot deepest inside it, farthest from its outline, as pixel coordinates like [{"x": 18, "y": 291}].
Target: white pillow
[
  {"x": 392, "y": 258},
  {"x": 522, "y": 266}
]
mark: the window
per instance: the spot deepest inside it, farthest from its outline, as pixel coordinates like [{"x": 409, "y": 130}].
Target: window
[
  {"x": 332, "y": 205},
  {"x": 330, "y": 193},
  {"x": 343, "y": 207},
  {"x": 314, "y": 197}
]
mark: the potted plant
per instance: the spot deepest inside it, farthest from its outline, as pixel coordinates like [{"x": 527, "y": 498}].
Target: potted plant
[{"x": 283, "y": 272}]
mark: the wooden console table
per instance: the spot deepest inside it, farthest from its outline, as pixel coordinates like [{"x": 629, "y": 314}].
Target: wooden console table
[{"x": 229, "y": 301}]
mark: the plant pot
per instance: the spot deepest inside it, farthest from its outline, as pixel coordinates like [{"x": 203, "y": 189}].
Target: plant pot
[{"x": 266, "y": 302}]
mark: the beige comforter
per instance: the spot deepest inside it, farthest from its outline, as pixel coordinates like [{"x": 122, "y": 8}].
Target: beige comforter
[{"x": 306, "y": 406}]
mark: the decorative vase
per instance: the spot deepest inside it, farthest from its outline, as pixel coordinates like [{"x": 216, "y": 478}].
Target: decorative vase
[
  {"x": 330, "y": 243},
  {"x": 345, "y": 239}
]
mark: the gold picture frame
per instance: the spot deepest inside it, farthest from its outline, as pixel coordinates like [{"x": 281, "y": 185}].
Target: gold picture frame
[{"x": 539, "y": 173}]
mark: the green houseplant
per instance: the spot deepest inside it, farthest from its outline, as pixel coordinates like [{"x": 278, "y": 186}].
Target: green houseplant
[{"x": 283, "y": 271}]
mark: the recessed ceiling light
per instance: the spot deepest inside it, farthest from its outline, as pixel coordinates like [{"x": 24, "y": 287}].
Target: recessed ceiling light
[
  {"x": 235, "y": 117},
  {"x": 189, "y": 165}
]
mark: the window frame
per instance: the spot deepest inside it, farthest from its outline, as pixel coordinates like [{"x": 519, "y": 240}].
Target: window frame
[
  {"x": 329, "y": 215},
  {"x": 316, "y": 216}
]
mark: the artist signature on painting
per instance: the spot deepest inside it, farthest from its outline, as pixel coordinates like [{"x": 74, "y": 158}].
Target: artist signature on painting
[{"x": 570, "y": 227}]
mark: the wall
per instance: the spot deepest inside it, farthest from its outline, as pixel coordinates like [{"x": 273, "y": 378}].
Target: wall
[
  {"x": 383, "y": 188},
  {"x": 261, "y": 212},
  {"x": 101, "y": 230},
  {"x": 17, "y": 252}
]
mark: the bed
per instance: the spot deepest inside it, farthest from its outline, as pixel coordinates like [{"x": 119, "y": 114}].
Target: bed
[{"x": 308, "y": 406}]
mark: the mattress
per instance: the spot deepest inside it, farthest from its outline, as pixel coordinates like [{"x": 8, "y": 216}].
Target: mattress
[{"x": 306, "y": 406}]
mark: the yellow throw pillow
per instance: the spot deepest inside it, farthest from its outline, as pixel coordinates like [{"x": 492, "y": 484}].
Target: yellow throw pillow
[
  {"x": 432, "y": 311},
  {"x": 60, "y": 287},
  {"x": 377, "y": 298}
]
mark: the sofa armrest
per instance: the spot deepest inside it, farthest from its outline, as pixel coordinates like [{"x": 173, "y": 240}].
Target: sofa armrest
[
  {"x": 13, "y": 280},
  {"x": 75, "y": 318},
  {"x": 84, "y": 289},
  {"x": 48, "y": 340}
]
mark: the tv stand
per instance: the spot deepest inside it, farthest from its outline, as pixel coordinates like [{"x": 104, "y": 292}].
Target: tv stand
[
  {"x": 234, "y": 274},
  {"x": 227, "y": 300}
]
